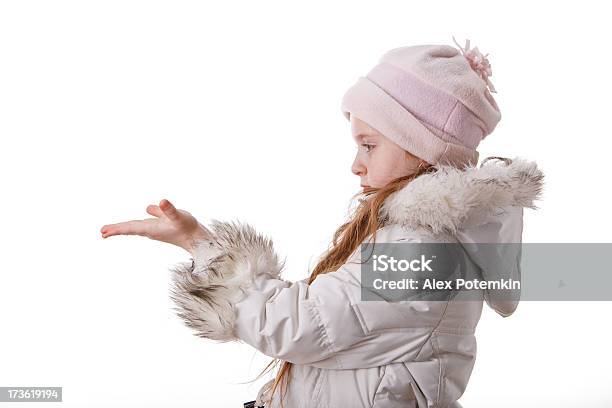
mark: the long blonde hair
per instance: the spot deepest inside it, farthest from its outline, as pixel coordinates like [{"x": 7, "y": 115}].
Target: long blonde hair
[{"x": 363, "y": 222}]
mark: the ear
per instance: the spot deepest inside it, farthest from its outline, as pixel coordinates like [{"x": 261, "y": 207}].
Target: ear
[{"x": 410, "y": 156}]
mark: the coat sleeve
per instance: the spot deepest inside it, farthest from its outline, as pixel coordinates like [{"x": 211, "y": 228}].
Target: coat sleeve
[{"x": 232, "y": 291}]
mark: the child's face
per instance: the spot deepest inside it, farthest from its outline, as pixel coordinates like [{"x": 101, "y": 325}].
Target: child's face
[{"x": 378, "y": 159}]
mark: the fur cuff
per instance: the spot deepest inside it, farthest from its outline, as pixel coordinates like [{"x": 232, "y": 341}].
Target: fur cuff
[{"x": 206, "y": 288}]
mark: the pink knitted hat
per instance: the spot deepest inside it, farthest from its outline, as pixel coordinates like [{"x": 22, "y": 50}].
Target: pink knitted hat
[{"x": 432, "y": 100}]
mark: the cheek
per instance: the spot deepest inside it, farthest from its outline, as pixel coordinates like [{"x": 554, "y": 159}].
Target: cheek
[
  {"x": 381, "y": 167},
  {"x": 387, "y": 165}
]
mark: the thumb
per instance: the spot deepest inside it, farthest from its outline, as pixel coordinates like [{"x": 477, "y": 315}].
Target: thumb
[{"x": 169, "y": 210}]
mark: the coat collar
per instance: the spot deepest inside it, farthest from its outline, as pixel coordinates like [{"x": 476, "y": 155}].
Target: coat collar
[{"x": 441, "y": 201}]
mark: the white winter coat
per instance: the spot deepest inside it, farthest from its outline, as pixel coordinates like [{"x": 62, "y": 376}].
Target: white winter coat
[{"x": 350, "y": 353}]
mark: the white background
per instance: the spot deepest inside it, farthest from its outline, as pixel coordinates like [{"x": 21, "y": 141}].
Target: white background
[{"x": 232, "y": 111}]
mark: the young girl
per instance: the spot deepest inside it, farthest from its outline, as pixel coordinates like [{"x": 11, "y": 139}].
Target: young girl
[{"x": 417, "y": 118}]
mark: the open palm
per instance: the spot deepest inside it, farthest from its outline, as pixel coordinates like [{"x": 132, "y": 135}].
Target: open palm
[{"x": 171, "y": 225}]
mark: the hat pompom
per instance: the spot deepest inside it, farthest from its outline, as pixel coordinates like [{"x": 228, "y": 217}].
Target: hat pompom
[{"x": 479, "y": 63}]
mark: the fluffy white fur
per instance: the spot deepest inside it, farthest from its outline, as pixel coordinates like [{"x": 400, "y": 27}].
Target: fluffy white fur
[
  {"x": 442, "y": 200},
  {"x": 206, "y": 288}
]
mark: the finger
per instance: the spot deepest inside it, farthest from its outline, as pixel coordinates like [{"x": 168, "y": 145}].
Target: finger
[
  {"x": 154, "y": 210},
  {"x": 123, "y": 228},
  {"x": 135, "y": 227},
  {"x": 169, "y": 210}
]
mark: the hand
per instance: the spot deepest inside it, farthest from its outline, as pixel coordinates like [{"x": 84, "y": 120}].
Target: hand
[{"x": 177, "y": 227}]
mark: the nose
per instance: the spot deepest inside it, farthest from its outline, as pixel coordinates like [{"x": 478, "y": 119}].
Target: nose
[{"x": 357, "y": 168}]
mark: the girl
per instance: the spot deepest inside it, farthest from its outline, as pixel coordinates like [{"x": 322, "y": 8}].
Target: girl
[{"x": 417, "y": 118}]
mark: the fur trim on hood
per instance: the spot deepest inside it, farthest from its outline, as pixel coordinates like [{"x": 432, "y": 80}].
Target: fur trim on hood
[{"x": 441, "y": 201}]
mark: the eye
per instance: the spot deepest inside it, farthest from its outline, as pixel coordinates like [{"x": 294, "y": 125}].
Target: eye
[{"x": 368, "y": 147}]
